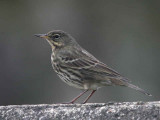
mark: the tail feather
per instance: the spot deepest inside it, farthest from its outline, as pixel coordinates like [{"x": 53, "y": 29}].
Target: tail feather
[{"x": 138, "y": 89}]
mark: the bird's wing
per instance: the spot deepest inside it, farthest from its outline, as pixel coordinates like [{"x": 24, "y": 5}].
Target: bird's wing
[{"x": 84, "y": 60}]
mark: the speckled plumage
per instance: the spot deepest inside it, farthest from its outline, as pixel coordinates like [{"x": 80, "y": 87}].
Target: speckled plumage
[{"x": 78, "y": 68}]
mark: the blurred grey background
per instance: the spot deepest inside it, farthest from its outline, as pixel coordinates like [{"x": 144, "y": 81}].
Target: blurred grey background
[{"x": 123, "y": 34}]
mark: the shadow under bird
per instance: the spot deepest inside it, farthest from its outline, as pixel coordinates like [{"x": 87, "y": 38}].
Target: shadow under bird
[{"x": 78, "y": 68}]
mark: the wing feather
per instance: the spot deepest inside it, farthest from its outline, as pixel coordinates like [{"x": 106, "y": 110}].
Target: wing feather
[{"x": 88, "y": 63}]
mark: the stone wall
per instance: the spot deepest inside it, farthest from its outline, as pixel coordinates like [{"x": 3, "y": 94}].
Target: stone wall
[{"x": 89, "y": 111}]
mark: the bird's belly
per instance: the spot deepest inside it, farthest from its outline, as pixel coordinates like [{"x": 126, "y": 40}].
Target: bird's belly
[
  {"x": 72, "y": 78},
  {"x": 68, "y": 77},
  {"x": 93, "y": 86},
  {"x": 70, "y": 82}
]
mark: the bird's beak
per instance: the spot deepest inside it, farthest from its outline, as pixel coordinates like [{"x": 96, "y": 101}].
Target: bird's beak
[{"x": 41, "y": 35}]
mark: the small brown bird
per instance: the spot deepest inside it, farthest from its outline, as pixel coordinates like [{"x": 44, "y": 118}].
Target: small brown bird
[{"x": 78, "y": 68}]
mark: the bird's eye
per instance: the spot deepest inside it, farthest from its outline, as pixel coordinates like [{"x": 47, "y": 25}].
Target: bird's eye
[{"x": 56, "y": 36}]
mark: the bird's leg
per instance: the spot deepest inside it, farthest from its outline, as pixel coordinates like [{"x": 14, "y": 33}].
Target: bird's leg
[
  {"x": 72, "y": 101},
  {"x": 89, "y": 96}
]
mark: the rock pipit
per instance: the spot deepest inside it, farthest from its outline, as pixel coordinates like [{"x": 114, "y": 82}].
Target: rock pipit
[{"x": 78, "y": 68}]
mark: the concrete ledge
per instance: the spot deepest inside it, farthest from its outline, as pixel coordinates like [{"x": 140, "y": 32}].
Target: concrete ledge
[{"x": 94, "y": 111}]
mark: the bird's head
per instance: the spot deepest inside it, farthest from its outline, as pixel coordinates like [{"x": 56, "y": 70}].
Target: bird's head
[{"x": 58, "y": 39}]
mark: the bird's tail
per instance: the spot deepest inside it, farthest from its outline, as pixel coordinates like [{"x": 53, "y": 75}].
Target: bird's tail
[{"x": 137, "y": 88}]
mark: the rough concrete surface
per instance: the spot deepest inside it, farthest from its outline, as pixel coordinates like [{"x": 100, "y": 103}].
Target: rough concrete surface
[{"x": 89, "y": 111}]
